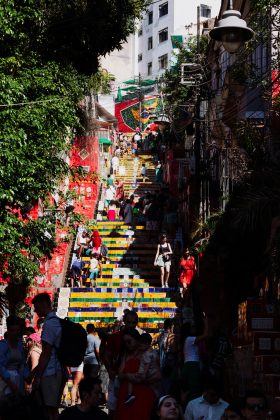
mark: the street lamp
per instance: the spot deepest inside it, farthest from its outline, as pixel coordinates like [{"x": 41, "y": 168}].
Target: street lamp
[{"x": 232, "y": 31}]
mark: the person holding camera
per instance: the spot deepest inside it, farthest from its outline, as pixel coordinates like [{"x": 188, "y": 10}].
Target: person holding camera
[{"x": 163, "y": 259}]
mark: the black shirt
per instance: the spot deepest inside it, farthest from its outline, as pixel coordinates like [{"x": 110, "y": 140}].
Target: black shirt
[{"x": 73, "y": 413}]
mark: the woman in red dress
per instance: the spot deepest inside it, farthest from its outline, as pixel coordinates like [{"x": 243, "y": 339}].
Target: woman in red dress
[
  {"x": 140, "y": 408},
  {"x": 188, "y": 267}
]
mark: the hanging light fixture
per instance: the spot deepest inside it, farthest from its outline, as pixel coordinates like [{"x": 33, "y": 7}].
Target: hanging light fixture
[{"x": 232, "y": 30}]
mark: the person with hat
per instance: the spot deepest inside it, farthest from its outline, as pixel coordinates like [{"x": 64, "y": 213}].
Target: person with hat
[{"x": 34, "y": 347}]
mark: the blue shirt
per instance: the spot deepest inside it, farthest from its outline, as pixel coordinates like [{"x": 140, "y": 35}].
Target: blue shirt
[
  {"x": 93, "y": 343},
  {"x": 5, "y": 353},
  {"x": 51, "y": 334}
]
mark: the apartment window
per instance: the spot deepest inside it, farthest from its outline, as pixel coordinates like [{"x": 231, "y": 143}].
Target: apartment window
[
  {"x": 150, "y": 66},
  {"x": 163, "y": 35},
  {"x": 140, "y": 32},
  {"x": 150, "y": 18},
  {"x": 163, "y": 62},
  {"x": 140, "y": 57},
  {"x": 163, "y": 9},
  {"x": 150, "y": 43},
  {"x": 205, "y": 11}
]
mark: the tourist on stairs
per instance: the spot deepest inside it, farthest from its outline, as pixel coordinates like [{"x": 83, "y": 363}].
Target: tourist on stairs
[
  {"x": 168, "y": 408},
  {"x": 91, "y": 360},
  {"x": 119, "y": 190},
  {"x": 95, "y": 241},
  {"x": 188, "y": 267},
  {"x": 163, "y": 259},
  {"x": 13, "y": 368},
  {"x": 82, "y": 243},
  {"x": 95, "y": 269},
  {"x": 127, "y": 213},
  {"x": 159, "y": 172},
  {"x": 140, "y": 407},
  {"x": 152, "y": 215},
  {"x": 115, "y": 164},
  {"x": 109, "y": 196},
  {"x": 112, "y": 211},
  {"x": 90, "y": 394}
]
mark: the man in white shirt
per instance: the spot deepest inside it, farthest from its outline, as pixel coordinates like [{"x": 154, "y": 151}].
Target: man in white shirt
[
  {"x": 49, "y": 375},
  {"x": 109, "y": 195},
  {"x": 115, "y": 164},
  {"x": 207, "y": 407}
]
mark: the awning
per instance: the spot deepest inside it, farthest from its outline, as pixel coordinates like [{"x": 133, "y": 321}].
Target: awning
[
  {"x": 146, "y": 82},
  {"x": 176, "y": 40},
  {"x": 104, "y": 140}
]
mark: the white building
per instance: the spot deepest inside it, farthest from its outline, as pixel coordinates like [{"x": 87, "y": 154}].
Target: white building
[
  {"x": 121, "y": 63},
  {"x": 163, "y": 20}
]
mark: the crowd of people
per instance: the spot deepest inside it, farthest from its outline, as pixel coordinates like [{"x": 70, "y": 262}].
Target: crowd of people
[
  {"x": 88, "y": 244},
  {"x": 125, "y": 373},
  {"x": 156, "y": 210}
]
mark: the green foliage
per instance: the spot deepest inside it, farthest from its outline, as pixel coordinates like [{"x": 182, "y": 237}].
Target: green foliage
[
  {"x": 34, "y": 137},
  {"x": 176, "y": 94},
  {"x": 74, "y": 32},
  {"x": 100, "y": 82},
  {"x": 22, "y": 244},
  {"x": 48, "y": 50}
]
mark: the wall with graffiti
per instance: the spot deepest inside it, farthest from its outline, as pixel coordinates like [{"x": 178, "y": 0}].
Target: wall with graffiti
[{"x": 128, "y": 113}]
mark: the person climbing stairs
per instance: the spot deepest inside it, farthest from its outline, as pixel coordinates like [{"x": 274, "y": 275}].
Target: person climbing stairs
[{"x": 129, "y": 279}]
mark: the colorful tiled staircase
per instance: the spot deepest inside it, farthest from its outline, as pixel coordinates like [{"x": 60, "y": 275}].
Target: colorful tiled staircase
[{"x": 130, "y": 280}]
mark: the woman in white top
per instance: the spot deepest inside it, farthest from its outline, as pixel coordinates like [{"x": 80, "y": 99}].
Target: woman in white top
[
  {"x": 163, "y": 259},
  {"x": 191, "y": 372}
]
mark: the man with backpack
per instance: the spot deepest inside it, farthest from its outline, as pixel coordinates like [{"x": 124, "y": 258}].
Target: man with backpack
[{"x": 49, "y": 378}]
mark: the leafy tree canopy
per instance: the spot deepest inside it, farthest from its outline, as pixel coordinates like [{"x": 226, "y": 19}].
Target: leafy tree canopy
[
  {"x": 49, "y": 52},
  {"x": 75, "y": 32},
  {"x": 175, "y": 93}
]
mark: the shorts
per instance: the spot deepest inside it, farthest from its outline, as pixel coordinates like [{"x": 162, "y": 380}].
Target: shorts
[
  {"x": 151, "y": 225},
  {"x": 51, "y": 388},
  {"x": 93, "y": 274},
  {"x": 79, "y": 368},
  {"x": 75, "y": 271},
  {"x": 161, "y": 263}
]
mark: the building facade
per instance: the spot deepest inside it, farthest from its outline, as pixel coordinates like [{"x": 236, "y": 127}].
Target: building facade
[
  {"x": 122, "y": 63},
  {"x": 164, "y": 23}
]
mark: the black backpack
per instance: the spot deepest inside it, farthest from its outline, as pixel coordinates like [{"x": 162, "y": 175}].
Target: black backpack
[{"x": 73, "y": 343}]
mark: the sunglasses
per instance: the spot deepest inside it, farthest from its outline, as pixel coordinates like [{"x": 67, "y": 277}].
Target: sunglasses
[{"x": 255, "y": 407}]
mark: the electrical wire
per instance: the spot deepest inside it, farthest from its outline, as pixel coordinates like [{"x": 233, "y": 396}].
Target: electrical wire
[{"x": 31, "y": 102}]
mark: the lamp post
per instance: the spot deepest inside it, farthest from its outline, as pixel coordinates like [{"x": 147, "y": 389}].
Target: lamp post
[{"x": 231, "y": 30}]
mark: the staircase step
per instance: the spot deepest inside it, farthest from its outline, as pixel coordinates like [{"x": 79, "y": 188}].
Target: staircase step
[{"x": 130, "y": 279}]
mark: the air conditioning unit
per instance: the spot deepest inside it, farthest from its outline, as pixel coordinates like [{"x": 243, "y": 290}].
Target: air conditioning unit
[{"x": 191, "y": 74}]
